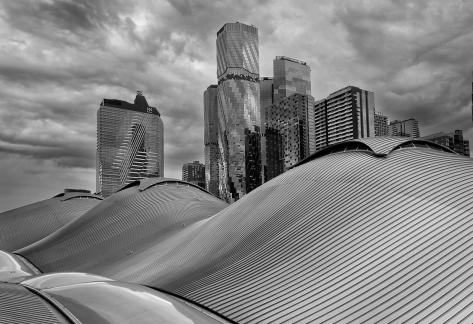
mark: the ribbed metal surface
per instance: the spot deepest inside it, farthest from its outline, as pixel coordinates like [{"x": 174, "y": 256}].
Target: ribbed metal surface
[
  {"x": 348, "y": 237},
  {"x": 117, "y": 235},
  {"x": 20, "y": 306},
  {"x": 25, "y": 225}
]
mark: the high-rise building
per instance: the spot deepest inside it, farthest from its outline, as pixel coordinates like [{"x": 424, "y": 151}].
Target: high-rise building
[
  {"x": 404, "y": 128},
  {"x": 289, "y": 133},
  {"x": 129, "y": 143},
  {"x": 454, "y": 141},
  {"x": 238, "y": 110},
  {"x": 211, "y": 152},
  {"x": 380, "y": 124},
  {"x": 290, "y": 76},
  {"x": 345, "y": 114},
  {"x": 266, "y": 100},
  {"x": 289, "y": 120},
  {"x": 194, "y": 172}
]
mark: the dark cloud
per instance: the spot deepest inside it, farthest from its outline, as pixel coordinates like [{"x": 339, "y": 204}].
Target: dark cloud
[{"x": 71, "y": 18}]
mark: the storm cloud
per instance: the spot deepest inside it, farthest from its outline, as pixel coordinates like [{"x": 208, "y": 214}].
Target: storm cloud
[{"x": 59, "y": 59}]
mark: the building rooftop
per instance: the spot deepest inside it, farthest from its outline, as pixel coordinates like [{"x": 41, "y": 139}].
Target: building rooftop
[
  {"x": 285, "y": 58},
  {"x": 140, "y": 105}
]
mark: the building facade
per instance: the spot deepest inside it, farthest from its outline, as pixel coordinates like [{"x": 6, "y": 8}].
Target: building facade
[
  {"x": 404, "y": 128},
  {"x": 266, "y": 100},
  {"x": 238, "y": 100},
  {"x": 290, "y": 76},
  {"x": 129, "y": 143},
  {"x": 289, "y": 133},
  {"x": 345, "y": 114},
  {"x": 380, "y": 124},
  {"x": 454, "y": 141},
  {"x": 211, "y": 151},
  {"x": 194, "y": 172}
]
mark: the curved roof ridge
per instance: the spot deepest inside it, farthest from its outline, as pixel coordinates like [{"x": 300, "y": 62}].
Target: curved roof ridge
[
  {"x": 81, "y": 196},
  {"x": 146, "y": 183},
  {"x": 336, "y": 147},
  {"x": 428, "y": 143},
  {"x": 378, "y": 146}
]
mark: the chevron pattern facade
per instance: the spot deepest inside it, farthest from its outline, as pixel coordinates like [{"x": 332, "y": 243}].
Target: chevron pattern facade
[
  {"x": 238, "y": 110},
  {"x": 129, "y": 144}
]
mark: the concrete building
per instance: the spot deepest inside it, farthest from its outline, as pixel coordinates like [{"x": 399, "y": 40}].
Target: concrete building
[
  {"x": 289, "y": 133},
  {"x": 194, "y": 173},
  {"x": 345, "y": 114},
  {"x": 380, "y": 124},
  {"x": 404, "y": 128},
  {"x": 129, "y": 143}
]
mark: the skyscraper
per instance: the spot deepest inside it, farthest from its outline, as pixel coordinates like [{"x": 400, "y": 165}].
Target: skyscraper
[
  {"x": 405, "y": 128},
  {"x": 289, "y": 133},
  {"x": 290, "y": 76},
  {"x": 211, "y": 151},
  {"x": 345, "y": 114},
  {"x": 129, "y": 143},
  {"x": 194, "y": 173},
  {"x": 238, "y": 110},
  {"x": 266, "y": 100},
  {"x": 380, "y": 124}
]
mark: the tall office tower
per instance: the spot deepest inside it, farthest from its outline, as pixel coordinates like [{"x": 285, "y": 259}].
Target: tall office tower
[
  {"x": 345, "y": 114},
  {"x": 380, "y": 124},
  {"x": 405, "y": 128},
  {"x": 454, "y": 141},
  {"x": 290, "y": 76},
  {"x": 194, "y": 172},
  {"x": 129, "y": 143},
  {"x": 472, "y": 96},
  {"x": 289, "y": 133},
  {"x": 211, "y": 140},
  {"x": 238, "y": 110},
  {"x": 266, "y": 100}
]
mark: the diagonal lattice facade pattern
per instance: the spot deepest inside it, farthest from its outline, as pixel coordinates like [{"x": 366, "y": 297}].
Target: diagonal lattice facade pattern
[
  {"x": 129, "y": 143},
  {"x": 238, "y": 99}
]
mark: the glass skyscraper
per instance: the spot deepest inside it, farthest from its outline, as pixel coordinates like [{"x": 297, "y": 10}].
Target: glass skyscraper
[
  {"x": 289, "y": 133},
  {"x": 211, "y": 152},
  {"x": 239, "y": 117},
  {"x": 290, "y": 76},
  {"x": 129, "y": 143}
]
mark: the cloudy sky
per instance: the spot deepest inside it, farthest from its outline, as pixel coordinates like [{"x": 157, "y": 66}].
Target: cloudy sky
[{"x": 59, "y": 58}]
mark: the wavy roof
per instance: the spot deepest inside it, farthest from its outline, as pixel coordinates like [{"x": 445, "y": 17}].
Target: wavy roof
[
  {"x": 372, "y": 230},
  {"x": 83, "y": 298},
  {"x": 379, "y": 146},
  {"x": 119, "y": 235},
  {"x": 22, "y": 226}
]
